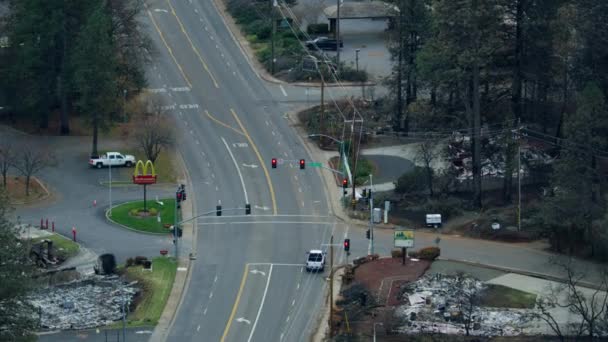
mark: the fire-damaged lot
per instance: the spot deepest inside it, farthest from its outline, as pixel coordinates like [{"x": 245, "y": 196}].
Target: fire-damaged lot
[{"x": 451, "y": 300}]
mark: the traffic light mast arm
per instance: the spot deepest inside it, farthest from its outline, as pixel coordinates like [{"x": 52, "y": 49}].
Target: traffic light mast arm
[
  {"x": 207, "y": 214},
  {"x": 341, "y": 173}
]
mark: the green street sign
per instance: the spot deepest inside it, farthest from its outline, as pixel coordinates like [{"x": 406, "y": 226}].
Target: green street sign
[{"x": 315, "y": 164}]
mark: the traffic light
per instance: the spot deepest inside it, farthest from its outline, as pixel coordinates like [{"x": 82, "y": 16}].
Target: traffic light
[
  {"x": 247, "y": 209},
  {"x": 302, "y": 164},
  {"x": 274, "y": 163},
  {"x": 183, "y": 195},
  {"x": 346, "y": 245},
  {"x": 367, "y": 234},
  {"x": 369, "y": 193},
  {"x": 178, "y": 198},
  {"x": 364, "y": 193},
  {"x": 218, "y": 210},
  {"x": 344, "y": 184}
]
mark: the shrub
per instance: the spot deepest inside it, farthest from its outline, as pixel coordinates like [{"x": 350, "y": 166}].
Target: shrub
[
  {"x": 139, "y": 260},
  {"x": 153, "y": 211},
  {"x": 429, "y": 253},
  {"x": 412, "y": 181},
  {"x": 353, "y": 75},
  {"x": 317, "y": 28},
  {"x": 134, "y": 212},
  {"x": 396, "y": 253},
  {"x": 413, "y": 254},
  {"x": 130, "y": 262},
  {"x": 448, "y": 207}
]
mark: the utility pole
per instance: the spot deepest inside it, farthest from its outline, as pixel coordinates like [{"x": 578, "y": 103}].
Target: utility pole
[
  {"x": 397, "y": 123},
  {"x": 331, "y": 286},
  {"x": 338, "y": 36},
  {"x": 273, "y": 4}
]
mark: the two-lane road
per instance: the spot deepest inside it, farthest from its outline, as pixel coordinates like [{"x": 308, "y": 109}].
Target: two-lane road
[{"x": 247, "y": 283}]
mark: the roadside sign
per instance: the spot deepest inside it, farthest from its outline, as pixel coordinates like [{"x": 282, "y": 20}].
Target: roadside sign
[
  {"x": 315, "y": 164},
  {"x": 404, "y": 238}
]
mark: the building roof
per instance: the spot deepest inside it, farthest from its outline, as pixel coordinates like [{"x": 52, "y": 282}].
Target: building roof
[{"x": 362, "y": 10}]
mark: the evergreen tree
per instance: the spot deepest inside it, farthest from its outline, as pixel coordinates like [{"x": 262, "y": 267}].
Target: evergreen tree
[
  {"x": 16, "y": 271},
  {"x": 95, "y": 70}
]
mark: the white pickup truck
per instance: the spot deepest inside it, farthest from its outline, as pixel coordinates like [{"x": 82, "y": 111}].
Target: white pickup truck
[{"x": 112, "y": 159}]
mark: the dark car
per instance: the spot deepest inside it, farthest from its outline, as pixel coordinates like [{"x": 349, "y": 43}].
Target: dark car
[{"x": 323, "y": 43}]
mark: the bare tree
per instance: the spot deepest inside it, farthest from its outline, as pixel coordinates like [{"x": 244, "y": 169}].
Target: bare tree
[
  {"x": 589, "y": 306},
  {"x": 7, "y": 159},
  {"x": 468, "y": 297},
  {"x": 310, "y": 11},
  {"x": 154, "y": 132},
  {"x": 426, "y": 154},
  {"x": 29, "y": 161}
]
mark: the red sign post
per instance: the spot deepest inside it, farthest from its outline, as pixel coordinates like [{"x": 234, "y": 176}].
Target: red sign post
[{"x": 143, "y": 177}]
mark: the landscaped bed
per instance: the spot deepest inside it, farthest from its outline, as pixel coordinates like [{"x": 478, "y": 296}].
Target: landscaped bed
[
  {"x": 63, "y": 247},
  {"x": 131, "y": 214},
  {"x": 156, "y": 286}
]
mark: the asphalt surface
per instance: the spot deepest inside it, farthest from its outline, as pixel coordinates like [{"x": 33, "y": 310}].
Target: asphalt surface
[
  {"x": 389, "y": 168},
  {"x": 247, "y": 282}
]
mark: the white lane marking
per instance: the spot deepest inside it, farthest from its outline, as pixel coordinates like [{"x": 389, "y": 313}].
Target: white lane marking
[
  {"x": 255, "y": 271},
  {"x": 261, "y": 305},
  {"x": 206, "y": 29},
  {"x": 234, "y": 73},
  {"x": 198, "y": 142},
  {"x": 208, "y": 164},
  {"x": 217, "y": 46},
  {"x": 265, "y": 208},
  {"x": 182, "y": 269},
  {"x": 285, "y": 154},
  {"x": 293, "y": 302},
  {"x": 298, "y": 287},
  {"x": 273, "y": 263},
  {"x": 212, "y": 38},
  {"x": 282, "y": 90},
  {"x": 287, "y": 320},
  {"x": 299, "y": 189},
  {"x": 205, "y": 312},
  {"x": 279, "y": 142},
  {"x": 202, "y": 153},
  {"x": 237, "y": 169},
  {"x": 213, "y": 175},
  {"x": 295, "y": 177},
  {"x": 301, "y": 269},
  {"x": 302, "y": 204},
  {"x": 160, "y": 10},
  {"x": 215, "y": 279},
  {"x": 268, "y": 223},
  {"x": 242, "y": 319},
  {"x": 210, "y": 295},
  {"x": 216, "y": 188},
  {"x": 200, "y": 19},
  {"x": 253, "y": 166},
  {"x": 273, "y": 133},
  {"x": 228, "y": 63},
  {"x": 195, "y": 10},
  {"x": 267, "y": 124},
  {"x": 282, "y": 334},
  {"x": 198, "y": 328}
]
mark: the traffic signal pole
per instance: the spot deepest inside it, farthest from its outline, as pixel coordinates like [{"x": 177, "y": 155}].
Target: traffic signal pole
[
  {"x": 331, "y": 287},
  {"x": 371, "y": 218}
]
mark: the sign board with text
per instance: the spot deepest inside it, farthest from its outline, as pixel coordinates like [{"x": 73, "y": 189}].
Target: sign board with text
[{"x": 404, "y": 238}]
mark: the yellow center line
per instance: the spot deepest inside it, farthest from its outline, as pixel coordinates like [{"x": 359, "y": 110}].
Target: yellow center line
[
  {"x": 257, "y": 153},
  {"x": 169, "y": 49},
  {"x": 236, "y": 303},
  {"x": 192, "y": 45},
  {"x": 222, "y": 124}
]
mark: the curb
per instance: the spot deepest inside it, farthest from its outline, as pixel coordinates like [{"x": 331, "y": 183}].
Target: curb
[
  {"x": 180, "y": 284},
  {"x": 127, "y": 227},
  {"x": 44, "y": 197},
  {"x": 523, "y": 272},
  {"x": 262, "y": 73}
]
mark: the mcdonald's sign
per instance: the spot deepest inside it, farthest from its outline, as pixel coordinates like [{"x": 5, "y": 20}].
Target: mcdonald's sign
[{"x": 144, "y": 173}]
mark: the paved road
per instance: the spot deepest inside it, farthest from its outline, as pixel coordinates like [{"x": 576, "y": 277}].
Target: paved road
[
  {"x": 232, "y": 126},
  {"x": 75, "y": 187}
]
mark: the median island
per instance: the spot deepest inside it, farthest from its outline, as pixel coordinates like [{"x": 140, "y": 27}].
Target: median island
[{"x": 133, "y": 216}]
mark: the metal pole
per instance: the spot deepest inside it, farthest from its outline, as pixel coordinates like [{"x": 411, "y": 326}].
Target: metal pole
[
  {"x": 357, "y": 59},
  {"x": 331, "y": 286},
  {"x": 338, "y": 36},
  {"x": 124, "y": 105},
  {"x": 124, "y": 320},
  {"x": 322, "y": 107},
  {"x": 175, "y": 227},
  {"x": 371, "y": 216},
  {"x": 273, "y": 3},
  {"x": 518, "y": 179},
  {"x": 110, "y": 171}
]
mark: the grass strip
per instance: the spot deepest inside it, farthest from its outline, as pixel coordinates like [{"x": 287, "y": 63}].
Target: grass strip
[
  {"x": 499, "y": 296},
  {"x": 64, "y": 247},
  {"x": 122, "y": 214}
]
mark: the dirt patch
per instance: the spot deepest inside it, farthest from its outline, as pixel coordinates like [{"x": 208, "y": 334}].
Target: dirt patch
[
  {"x": 16, "y": 190},
  {"x": 381, "y": 277}
]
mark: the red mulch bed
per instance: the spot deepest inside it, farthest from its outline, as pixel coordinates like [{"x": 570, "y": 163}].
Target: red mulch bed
[{"x": 394, "y": 274}]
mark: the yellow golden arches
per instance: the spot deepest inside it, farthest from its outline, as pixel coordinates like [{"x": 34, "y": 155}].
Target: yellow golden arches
[{"x": 144, "y": 168}]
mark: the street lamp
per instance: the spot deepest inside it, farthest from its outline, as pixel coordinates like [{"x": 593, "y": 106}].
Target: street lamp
[
  {"x": 357, "y": 58},
  {"x": 376, "y": 323}
]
